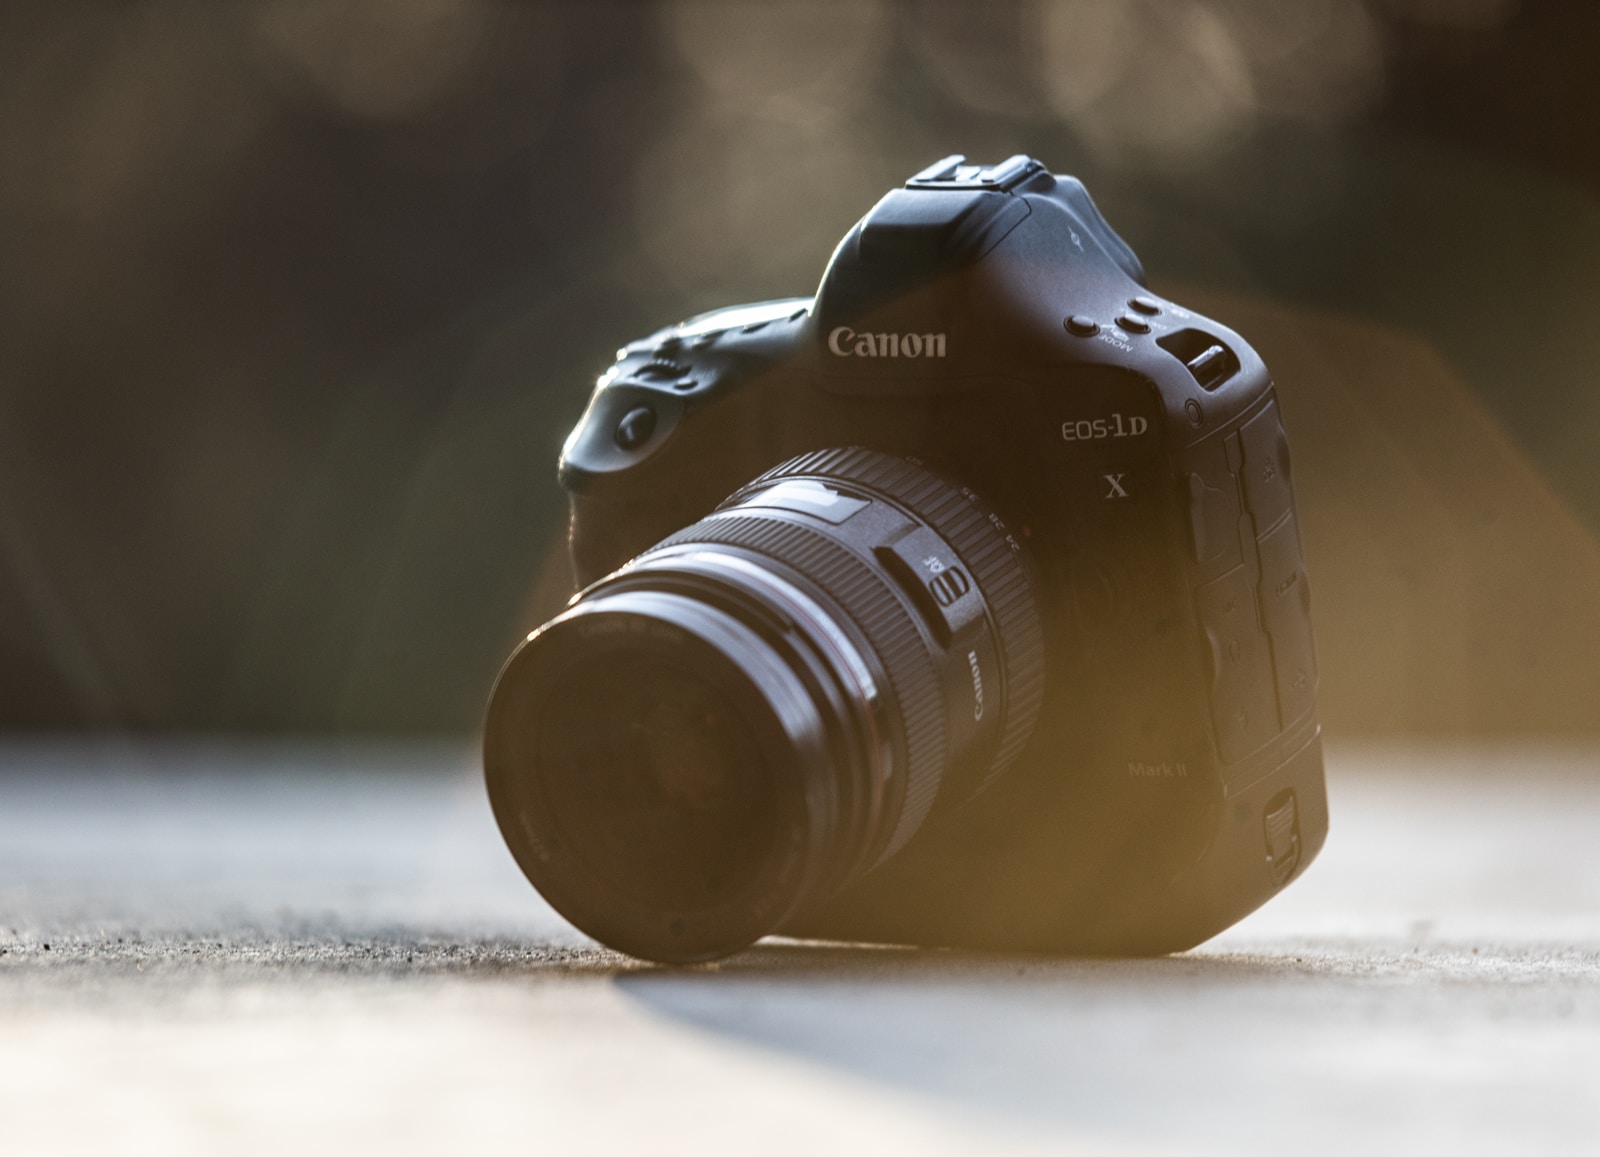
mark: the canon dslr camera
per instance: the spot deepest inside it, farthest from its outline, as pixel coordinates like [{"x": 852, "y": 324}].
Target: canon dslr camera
[{"x": 962, "y": 604}]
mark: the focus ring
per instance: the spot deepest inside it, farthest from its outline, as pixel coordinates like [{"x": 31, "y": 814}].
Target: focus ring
[
  {"x": 888, "y": 625},
  {"x": 983, "y": 543}
]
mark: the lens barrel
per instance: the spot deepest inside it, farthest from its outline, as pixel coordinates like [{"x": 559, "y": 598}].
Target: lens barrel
[{"x": 765, "y": 705}]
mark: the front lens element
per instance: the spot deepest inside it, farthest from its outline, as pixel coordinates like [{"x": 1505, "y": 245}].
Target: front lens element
[{"x": 665, "y": 797}]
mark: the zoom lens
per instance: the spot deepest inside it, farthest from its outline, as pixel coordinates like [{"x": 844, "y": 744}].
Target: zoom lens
[{"x": 765, "y": 705}]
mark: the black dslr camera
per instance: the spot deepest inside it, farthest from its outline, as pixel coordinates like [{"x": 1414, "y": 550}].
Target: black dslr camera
[{"x": 1001, "y": 640}]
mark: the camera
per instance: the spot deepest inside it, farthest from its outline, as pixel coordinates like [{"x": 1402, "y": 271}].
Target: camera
[{"x": 962, "y": 604}]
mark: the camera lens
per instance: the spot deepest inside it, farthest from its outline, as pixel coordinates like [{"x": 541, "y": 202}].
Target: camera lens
[
  {"x": 755, "y": 711},
  {"x": 668, "y": 797}
]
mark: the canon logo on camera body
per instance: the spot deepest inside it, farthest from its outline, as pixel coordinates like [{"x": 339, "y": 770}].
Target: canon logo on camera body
[{"x": 845, "y": 342}]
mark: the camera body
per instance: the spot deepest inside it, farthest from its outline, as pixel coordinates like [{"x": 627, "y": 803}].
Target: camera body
[{"x": 988, "y": 323}]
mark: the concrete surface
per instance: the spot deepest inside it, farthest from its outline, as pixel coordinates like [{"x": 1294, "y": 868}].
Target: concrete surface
[{"x": 224, "y": 950}]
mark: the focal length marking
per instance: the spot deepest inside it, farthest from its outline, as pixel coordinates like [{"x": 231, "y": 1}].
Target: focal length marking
[{"x": 847, "y": 343}]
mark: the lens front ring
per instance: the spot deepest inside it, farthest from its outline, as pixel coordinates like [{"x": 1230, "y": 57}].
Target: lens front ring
[{"x": 548, "y": 729}]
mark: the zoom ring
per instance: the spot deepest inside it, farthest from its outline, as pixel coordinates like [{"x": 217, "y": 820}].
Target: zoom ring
[{"x": 983, "y": 543}]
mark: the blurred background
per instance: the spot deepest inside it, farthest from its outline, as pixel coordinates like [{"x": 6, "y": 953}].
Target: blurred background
[{"x": 298, "y": 300}]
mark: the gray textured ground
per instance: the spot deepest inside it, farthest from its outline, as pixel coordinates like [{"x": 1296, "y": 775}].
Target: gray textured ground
[{"x": 207, "y": 950}]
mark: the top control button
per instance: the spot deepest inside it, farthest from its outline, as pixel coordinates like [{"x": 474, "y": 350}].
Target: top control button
[
  {"x": 1147, "y": 305},
  {"x": 660, "y": 370},
  {"x": 635, "y": 428},
  {"x": 1082, "y": 325},
  {"x": 1133, "y": 324}
]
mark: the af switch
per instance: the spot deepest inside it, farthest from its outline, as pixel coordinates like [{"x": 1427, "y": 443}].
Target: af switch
[{"x": 929, "y": 571}]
